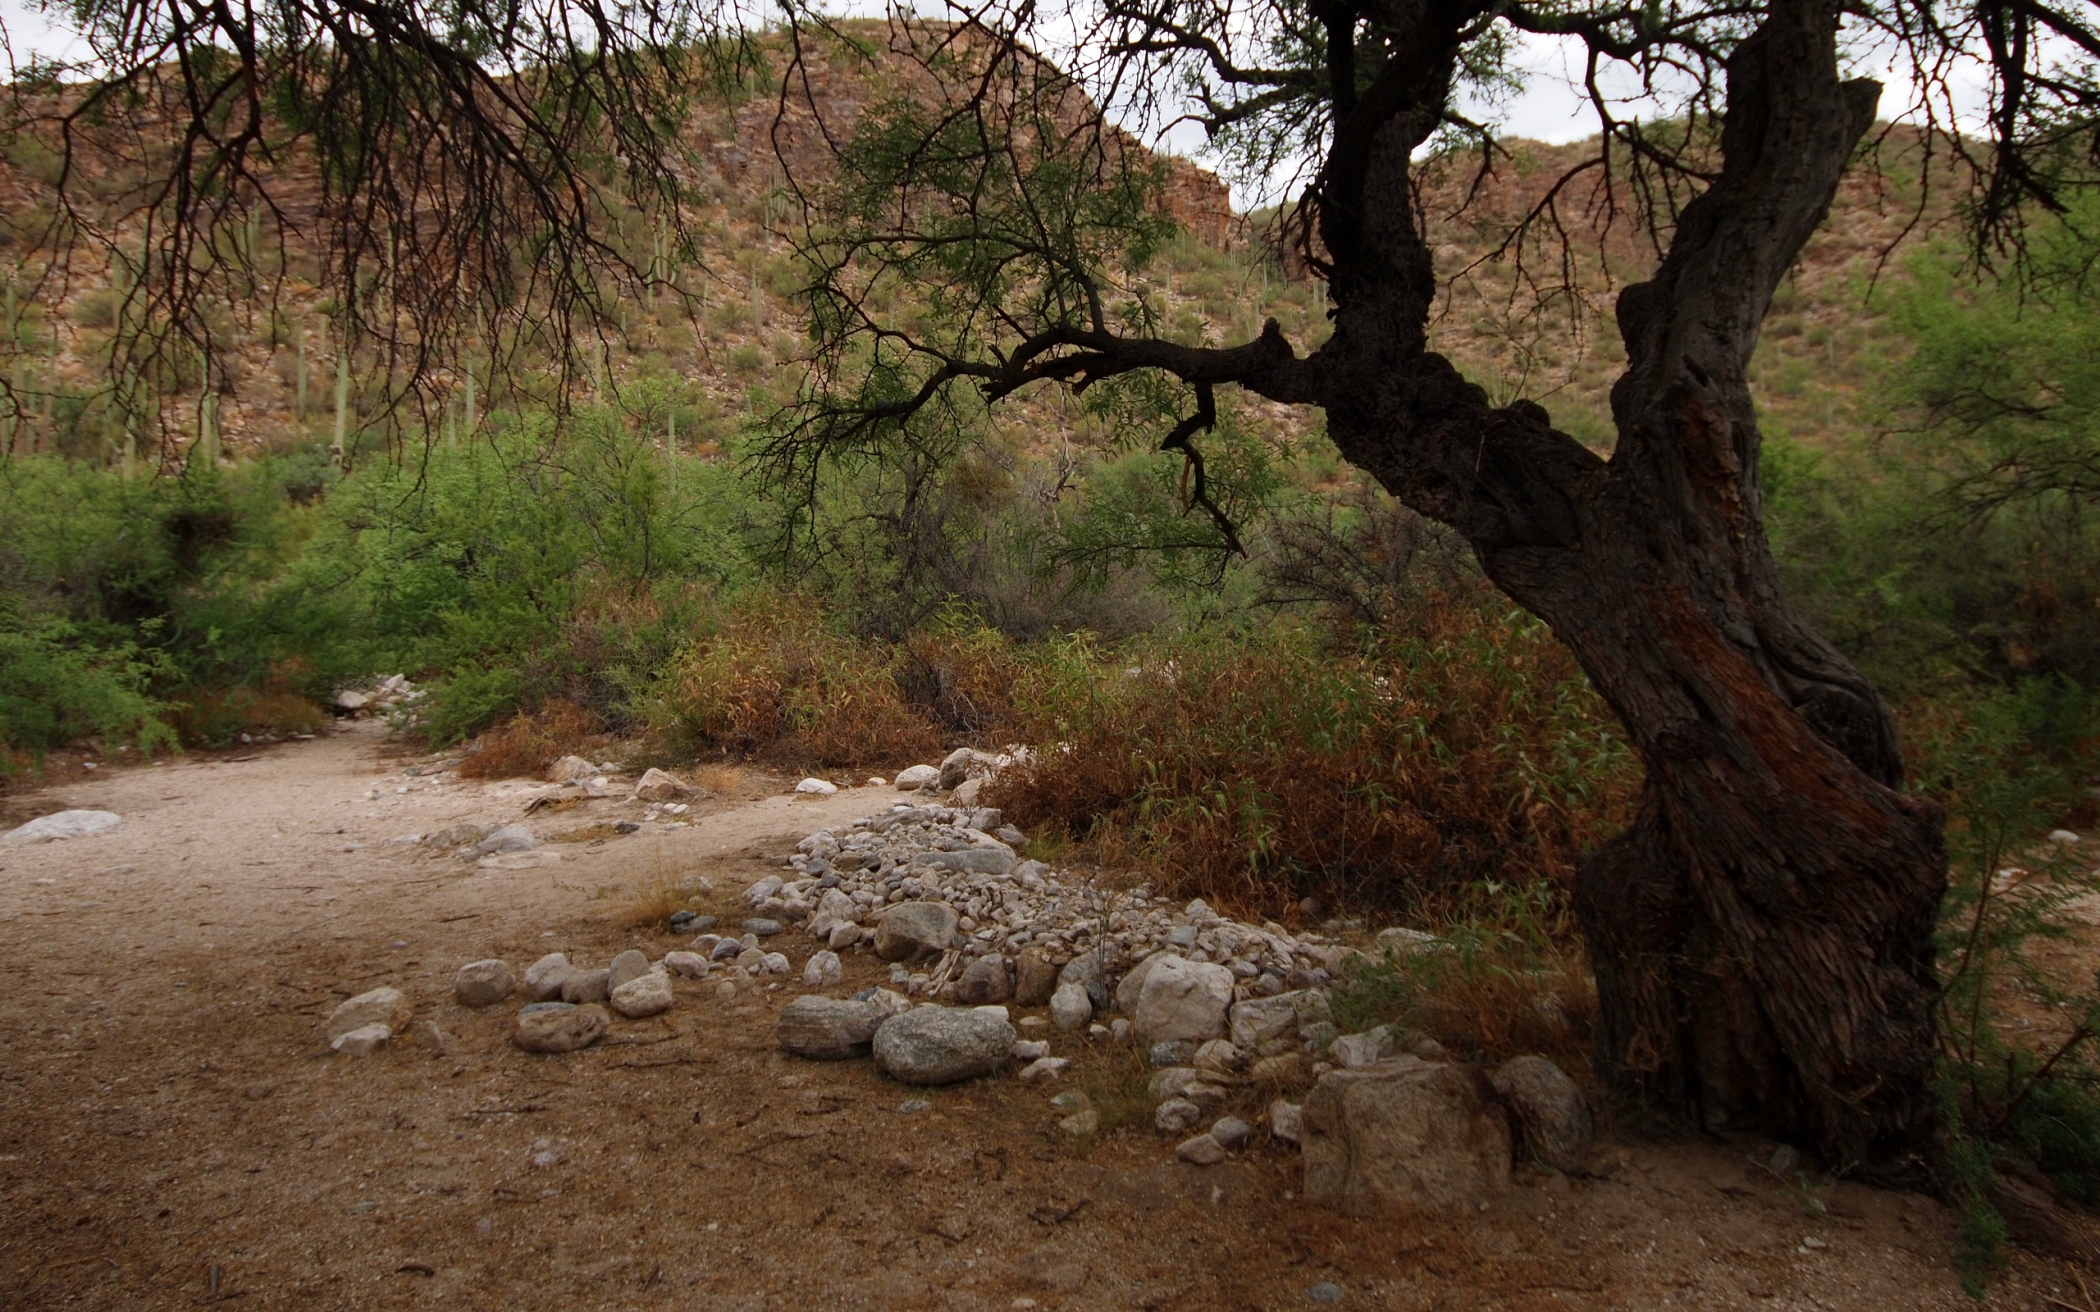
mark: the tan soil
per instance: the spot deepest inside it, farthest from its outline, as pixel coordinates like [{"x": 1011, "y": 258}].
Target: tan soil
[{"x": 175, "y": 1132}]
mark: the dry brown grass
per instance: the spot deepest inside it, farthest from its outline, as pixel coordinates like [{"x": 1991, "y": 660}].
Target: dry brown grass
[
  {"x": 1258, "y": 771},
  {"x": 720, "y": 780},
  {"x": 215, "y": 716},
  {"x": 530, "y": 742}
]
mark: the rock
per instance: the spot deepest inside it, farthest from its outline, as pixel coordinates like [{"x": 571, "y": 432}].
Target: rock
[
  {"x": 750, "y": 960},
  {"x": 362, "y": 1041},
  {"x": 1283, "y": 1068},
  {"x": 1317, "y": 1035},
  {"x": 60, "y": 826},
  {"x": 1549, "y": 1110},
  {"x": 822, "y": 970},
  {"x": 1070, "y": 1007},
  {"x": 1085, "y": 971},
  {"x": 829, "y": 1029},
  {"x": 1401, "y": 942},
  {"x": 1182, "y": 999},
  {"x": 986, "y": 981},
  {"x": 430, "y": 1038},
  {"x": 571, "y": 769},
  {"x": 505, "y": 838},
  {"x": 1119, "y": 1028},
  {"x": 1010, "y": 836},
  {"x": 544, "y": 978},
  {"x": 1081, "y": 1123},
  {"x": 1220, "y": 1056},
  {"x": 1355, "y": 1051},
  {"x": 844, "y": 935},
  {"x": 584, "y": 986},
  {"x": 350, "y": 699},
  {"x": 968, "y": 860},
  {"x": 1178, "y": 1052},
  {"x": 773, "y": 963},
  {"x": 833, "y": 909},
  {"x": 966, "y": 794},
  {"x": 662, "y": 786},
  {"x": 1405, "y": 1131},
  {"x": 1029, "y": 1049},
  {"x": 763, "y": 889},
  {"x": 1035, "y": 979},
  {"x": 483, "y": 983},
  {"x": 629, "y": 965},
  {"x": 1286, "y": 1121},
  {"x": 689, "y": 965},
  {"x": 1325, "y": 1292},
  {"x": 644, "y": 995},
  {"x": 1133, "y": 984},
  {"x": 560, "y": 1027},
  {"x": 956, "y": 767},
  {"x": 817, "y": 787},
  {"x": 941, "y": 1045},
  {"x": 726, "y": 949},
  {"x": 1232, "y": 1132},
  {"x": 1263, "y": 1020},
  {"x": 381, "y": 1006},
  {"x": 911, "y": 930},
  {"x": 1177, "y": 1081},
  {"x": 459, "y": 835},
  {"x": 762, "y": 926},
  {"x": 1176, "y": 1116},
  {"x": 1044, "y": 1068},
  {"x": 1200, "y": 1151},
  {"x": 914, "y": 777}
]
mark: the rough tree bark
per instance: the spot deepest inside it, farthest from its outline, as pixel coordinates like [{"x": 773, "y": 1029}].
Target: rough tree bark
[{"x": 1762, "y": 936}]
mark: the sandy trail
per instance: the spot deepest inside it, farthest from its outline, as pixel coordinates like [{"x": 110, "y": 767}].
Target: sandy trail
[{"x": 175, "y": 1132}]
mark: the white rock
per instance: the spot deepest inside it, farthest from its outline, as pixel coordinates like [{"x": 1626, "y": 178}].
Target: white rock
[
  {"x": 544, "y": 978},
  {"x": 690, "y": 965},
  {"x": 1070, "y": 1006},
  {"x": 1201, "y": 1151},
  {"x": 844, "y": 935},
  {"x": 661, "y": 786},
  {"x": 1183, "y": 1000},
  {"x": 833, "y": 909},
  {"x": 1176, "y": 1116},
  {"x": 1044, "y": 1068},
  {"x": 2063, "y": 837},
  {"x": 1286, "y": 1121},
  {"x": 1031, "y": 1049},
  {"x": 822, "y": 971},
  {"x": 506, "y": 838},
  {"x": 61, "y": 825},
  {"x": 350, "y": 699},
  {"x": 913, "y": 778},
  {"x": 817, "y": 787},
  {"x": 774, "y": 963},
  {"x": 570, "y": 769},
  {"x": 362, "y": 1041},
  {"x": 483, "y": 983},
  {"x": 644, "y": 995},
  {"x": 380, "y": 1006},
  {"x": 1356, "y": 1051}
]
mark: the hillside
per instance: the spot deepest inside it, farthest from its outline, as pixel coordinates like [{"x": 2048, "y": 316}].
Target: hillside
[{"x": 723, "y": 338}]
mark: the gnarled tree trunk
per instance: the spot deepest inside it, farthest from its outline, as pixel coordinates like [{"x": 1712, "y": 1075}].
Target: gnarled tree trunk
[{"x": 1762, "y": 937}]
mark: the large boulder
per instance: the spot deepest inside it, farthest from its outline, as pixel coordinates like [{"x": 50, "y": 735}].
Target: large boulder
[
  {"x": 942, "y": 1045},
  {"x": 59, "y": 826},
  {"x": 1035, "y": 979},
  {"x": 956, "y": 767},
  {"x": 544, "y": 978},
  {"x": 914, "y": 777},
  {"x": 645, "y": 995},
  {"x": 1549, "y": 1110},
  {"x": 1425, "y": 1134},
  {"x": 382, "y": 1006},
  {"x": 1183, "y": 1000},
  {"x": 483, "y": 983},
  {"x": 829, "y": 1029},
  {"x": 1133, "y": 982},
  {"x": 560, "y": 1027},
  {"x": 988, "y": 980},
  {"x": 661, "y": 786},
  {"x": 910, "y": 930}
]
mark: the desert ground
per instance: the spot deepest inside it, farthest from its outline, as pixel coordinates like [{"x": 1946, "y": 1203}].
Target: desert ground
[{"x": 175, "y": 1131}]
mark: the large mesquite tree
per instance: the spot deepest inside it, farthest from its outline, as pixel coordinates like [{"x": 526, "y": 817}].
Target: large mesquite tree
[{"x": 1762, "y": 935}]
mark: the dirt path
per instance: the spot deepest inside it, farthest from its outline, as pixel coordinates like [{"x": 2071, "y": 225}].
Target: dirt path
[{"x": 174, "y": 1130}]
